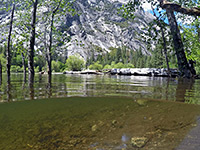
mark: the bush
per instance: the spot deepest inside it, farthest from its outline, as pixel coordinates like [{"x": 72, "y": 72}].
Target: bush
[
  {"x": 119, "y": 65},
  {"x": 75, "y": 63},
  {"x": 129, "y": 65},
  {"x": 96, "y": 66},
  {"x": 107, "y": 67},
  {"x": 15, "y": 68},
  {"x": 55, "y": 66}
]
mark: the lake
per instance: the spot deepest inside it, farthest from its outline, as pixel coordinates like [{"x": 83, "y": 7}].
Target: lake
[
  {"x": 95, "y": 112},
  {"x": 171, "y": 89}
]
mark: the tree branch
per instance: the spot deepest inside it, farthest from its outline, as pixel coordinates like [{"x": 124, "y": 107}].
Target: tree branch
[{"x": 194, "y": 11}]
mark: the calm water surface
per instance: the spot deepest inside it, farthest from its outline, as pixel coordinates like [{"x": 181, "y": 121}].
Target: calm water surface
[
  {"x": 91, "y": 117},
  {"x": 96, "y": 85}
]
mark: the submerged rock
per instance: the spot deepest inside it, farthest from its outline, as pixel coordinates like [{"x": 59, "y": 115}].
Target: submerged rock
[
  {"x": 94, "y": 128},
  {"x": 138, "y": 142},
  {"x": 141, "y": 102}
]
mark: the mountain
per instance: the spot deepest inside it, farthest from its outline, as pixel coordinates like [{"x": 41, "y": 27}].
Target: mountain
[{"x": 100, "y": 25}]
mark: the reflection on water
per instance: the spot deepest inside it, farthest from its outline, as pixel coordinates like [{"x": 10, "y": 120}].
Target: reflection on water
[{"x": 92, "y": 85}]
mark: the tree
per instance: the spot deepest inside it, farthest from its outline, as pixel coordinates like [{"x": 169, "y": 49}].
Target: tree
[
  {"x": 8, "y": 55},
  {"x": 10, "y": 6},
  {"x": 160, "y": 24},
  {"x": 32, "y": 43},
  {"x": 170, "y": 7},
  {"x": 55, "y": 7},
  {"x": 75, "y": 63}
]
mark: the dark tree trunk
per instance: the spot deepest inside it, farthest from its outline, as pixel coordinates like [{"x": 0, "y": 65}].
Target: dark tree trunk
[
  {"x": 0, "y": 73},
  {"x": 8, "y": 55},
  {"x": 32, "y": 44},
  {"x": 49, "y": 53},
  {"x": 8, "y": 91},
  {"x": 49, "y": 50},
  {"x": 24, "y": 66},
  {"x": 178, "y": 46}
]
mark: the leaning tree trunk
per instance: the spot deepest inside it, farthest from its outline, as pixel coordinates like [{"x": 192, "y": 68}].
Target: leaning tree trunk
[
  {"x": 8, "y": 55},
  {"x": 32, "y": 44},
  {"x": 178, "y": 46}
]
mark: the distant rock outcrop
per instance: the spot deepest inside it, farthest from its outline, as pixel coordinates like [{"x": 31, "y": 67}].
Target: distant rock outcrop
[{"x": 99, "y": 24}]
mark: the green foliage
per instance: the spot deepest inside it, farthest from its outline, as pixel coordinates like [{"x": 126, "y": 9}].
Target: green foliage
[
  {"x": 57, "y": 66},
  {"x": 16, "y": 69},
  {"x": 39, "y": 61},
  {"x": 3, "y": 62},
  {"x": 96, "y": 66},
  {"x": 107, "y": 67},
  {"x": 37, "y": 69},
  {"x": 75, "y": 63},
  {"x": 192, "y": 44},
  {"x": 119, "y": 65}
]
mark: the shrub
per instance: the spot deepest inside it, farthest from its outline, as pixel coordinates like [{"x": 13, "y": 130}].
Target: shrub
[
  {"x": 96, "y": 66},
  {"x": 119, "y": 65},
  {"x": 75, "y": 63},
  {"x": 129, "y": 65},
  {"x": 55, "y": 66},
  {"x": 15, "y": 68},
  {"x": 107, "y": 67}
]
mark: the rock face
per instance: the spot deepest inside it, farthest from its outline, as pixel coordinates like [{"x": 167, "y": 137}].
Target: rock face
[
  {"x": 100, "y": 25},
  {"x": 97, "y": 26}
]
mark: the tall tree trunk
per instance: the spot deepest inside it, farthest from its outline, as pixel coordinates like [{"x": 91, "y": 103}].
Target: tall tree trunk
[
  {"x": 49, "y": 52},
  {"x": 32, "y": 44},
  {"x": 178, "y": 46},
  {"x": 8, "y": 55},
  {"x": 24, "y": 66}
]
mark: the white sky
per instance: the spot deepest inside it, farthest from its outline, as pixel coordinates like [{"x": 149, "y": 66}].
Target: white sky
[{"x": 147, "y": 6}]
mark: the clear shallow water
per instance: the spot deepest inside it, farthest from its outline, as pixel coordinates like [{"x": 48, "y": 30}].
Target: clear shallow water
[
  {"x": 97, "y": 120},
  {"x": 96, "y": 85}
]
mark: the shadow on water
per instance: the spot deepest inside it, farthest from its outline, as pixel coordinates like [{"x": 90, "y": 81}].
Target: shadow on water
[{"x": 185, "y": 87}]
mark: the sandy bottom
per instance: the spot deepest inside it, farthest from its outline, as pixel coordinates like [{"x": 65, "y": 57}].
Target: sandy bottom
[{"x": 95, "y": 123}]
